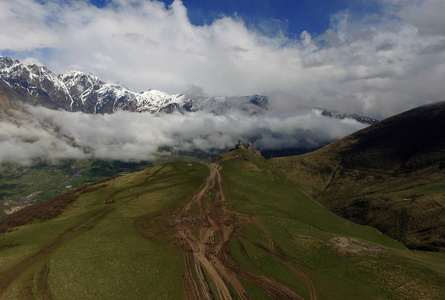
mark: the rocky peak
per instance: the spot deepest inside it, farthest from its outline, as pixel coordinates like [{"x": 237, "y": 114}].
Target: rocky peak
[
  {"x": 259, "y": 100},
  {"x": 341, "y": 116},
  {"x": 6, "y": 62},
  {"x": 79, "y": 91},
  {"x": 73, "y": 78}
]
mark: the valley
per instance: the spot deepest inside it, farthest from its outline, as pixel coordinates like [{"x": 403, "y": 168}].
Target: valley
[{"x": 21, "y": 186}]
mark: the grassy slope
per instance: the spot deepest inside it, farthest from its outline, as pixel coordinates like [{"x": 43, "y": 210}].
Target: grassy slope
[
  {"x": 23, "y": 185},
  {"x": 406, "y": 206},
  {"x": 390, "y": 175},
  {"x": 45, "y": 180},
  {"x": 302, "y": 229},
  {"x": 96, "y": 250},
  {"x": 19, "y": 186},
  {"x": 123, "y": 250}
]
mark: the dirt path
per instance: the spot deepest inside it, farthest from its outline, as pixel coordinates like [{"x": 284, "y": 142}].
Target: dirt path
[
  {"x": 211, "y": 272},
  {"x": 205, "y": 236},
  {"x": 201, "y": 244},
  {"x": 276, "y": 252}
]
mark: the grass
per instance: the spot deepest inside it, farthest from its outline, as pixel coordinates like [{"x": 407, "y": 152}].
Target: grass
[
  {"x": 24, "y": 185},
  {"x": 302, "y": 228},
  {"x": 254, "y": 292},
  {"x": 120, "y": 263},
  {"x": 365, "y": 176},
  {"x": 256, "y": 260},
  {"x": 195, "y": 209},
  {"x": 109, "y": 256},
  {"x": 115, "y": 242},
  {"x": 375, "y": 197},
  {"x": 268, "y": 193}
]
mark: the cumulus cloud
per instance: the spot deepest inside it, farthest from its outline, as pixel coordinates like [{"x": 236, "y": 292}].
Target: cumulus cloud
[
  {"x": 52, "y": 135},
  {"x": 427, "y": 16},
  {"x": 378, "y": 64}
]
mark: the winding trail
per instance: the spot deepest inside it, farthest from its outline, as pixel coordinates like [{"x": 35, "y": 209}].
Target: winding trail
[
  {"x": 211, "y": 272},
  {"x": 205, "y": 236}
]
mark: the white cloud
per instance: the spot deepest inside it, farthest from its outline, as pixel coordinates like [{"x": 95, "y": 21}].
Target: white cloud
[
  {"x": 427, "y": 16},
  {"x": 52, "y": 135},
  {"x": 377, "y": 65},
  {"x": 32, "y": 61}
]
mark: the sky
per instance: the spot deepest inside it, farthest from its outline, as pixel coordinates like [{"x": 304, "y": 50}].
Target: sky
[{"x": 374, "y": 57}]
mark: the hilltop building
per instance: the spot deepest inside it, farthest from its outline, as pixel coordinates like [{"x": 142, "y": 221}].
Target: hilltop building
[{"x": 249, "y": 147}]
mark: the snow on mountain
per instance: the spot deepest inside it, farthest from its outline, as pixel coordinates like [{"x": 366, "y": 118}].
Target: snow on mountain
[
  {"x": 337, "y": 115},
  {"x": 78, "y": 91},
  {"x": 35, "y": 84}
]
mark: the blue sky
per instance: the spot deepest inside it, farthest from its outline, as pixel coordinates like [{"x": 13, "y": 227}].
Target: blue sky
[
  {"x": 377, "y": 57},
  {"x": 294, "y": 16}
]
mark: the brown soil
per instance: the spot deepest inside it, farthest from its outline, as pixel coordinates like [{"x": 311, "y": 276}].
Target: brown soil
[
  {"x": 350, "y": 246},
  {"x": 211, "y": 272}
]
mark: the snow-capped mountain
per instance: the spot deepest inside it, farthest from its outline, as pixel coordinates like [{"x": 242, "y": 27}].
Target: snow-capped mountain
[
  {"x": 337, "y": 115},
  {"x": 78, "y": 91}
]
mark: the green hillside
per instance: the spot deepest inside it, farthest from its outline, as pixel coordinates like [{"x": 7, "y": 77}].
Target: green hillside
[
  {"x": 390, "y": 175},
  {"x": 236, "y": 229}
]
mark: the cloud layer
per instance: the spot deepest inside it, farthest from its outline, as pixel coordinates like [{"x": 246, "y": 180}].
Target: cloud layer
[
  {"x": 379, "y": 65},
  {"x": 128, "y": 136}
]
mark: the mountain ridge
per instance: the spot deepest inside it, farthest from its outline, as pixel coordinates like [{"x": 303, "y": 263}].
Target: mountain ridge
[
  {"x": 79, "y": 91},
  {"x": 389, "y": 175}
]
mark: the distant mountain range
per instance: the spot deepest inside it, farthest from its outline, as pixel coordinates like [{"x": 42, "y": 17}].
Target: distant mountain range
[{"x": 77, "y": 91}]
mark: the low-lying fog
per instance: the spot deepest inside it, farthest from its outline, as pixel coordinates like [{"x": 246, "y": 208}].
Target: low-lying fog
[{"x": 128, "y": 136}]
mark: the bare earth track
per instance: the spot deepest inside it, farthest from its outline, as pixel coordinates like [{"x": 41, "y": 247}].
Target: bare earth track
[
  {"x": 204, "y": 236},
  {"x": 211, "y": 272}
]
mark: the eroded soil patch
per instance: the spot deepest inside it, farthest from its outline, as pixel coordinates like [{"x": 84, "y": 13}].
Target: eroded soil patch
[{"x": 350, "y": 246}]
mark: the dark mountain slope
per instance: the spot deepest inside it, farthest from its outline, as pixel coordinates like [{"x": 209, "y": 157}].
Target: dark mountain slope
[
  {"x": 406, "y": 142},
  {"x": 390, "y": 175}
]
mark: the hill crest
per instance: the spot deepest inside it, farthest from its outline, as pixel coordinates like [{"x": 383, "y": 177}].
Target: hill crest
[{"x": 389, "y": 175}]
